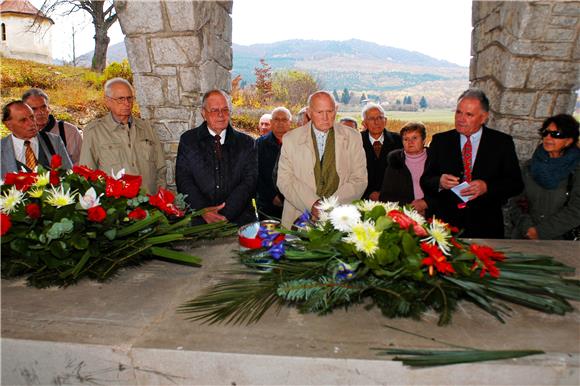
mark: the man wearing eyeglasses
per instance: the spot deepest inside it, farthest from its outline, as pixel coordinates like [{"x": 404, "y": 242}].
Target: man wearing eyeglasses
[
  {"x": 119, "y": 140},
  {"x": 482, "y": 158},
  {"x": 377, "y": 142},
  {"x": 216, "y": 165}
]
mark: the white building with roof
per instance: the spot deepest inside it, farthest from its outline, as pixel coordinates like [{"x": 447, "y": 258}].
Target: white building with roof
[{"x": 20, "y": 36}]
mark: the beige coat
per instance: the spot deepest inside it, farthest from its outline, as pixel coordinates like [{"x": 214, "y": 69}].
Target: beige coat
[
  {"x": 109, "y": 146},
  {"x": 296, "y": 169}
]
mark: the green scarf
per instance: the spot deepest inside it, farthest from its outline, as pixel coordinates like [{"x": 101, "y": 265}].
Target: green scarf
[{"x": 325, "y": 171}]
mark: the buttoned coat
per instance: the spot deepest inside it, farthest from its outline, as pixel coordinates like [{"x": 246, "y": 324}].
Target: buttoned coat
[
  {"x": 296, "y": 169},
  {"x": 376, "y": 166},
  {"x": 496, "y": 163},
  {"x": 10, "y": 165}
]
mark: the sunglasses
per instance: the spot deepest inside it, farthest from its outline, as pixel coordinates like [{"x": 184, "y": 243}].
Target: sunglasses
[{"x": 559, "y": 134}]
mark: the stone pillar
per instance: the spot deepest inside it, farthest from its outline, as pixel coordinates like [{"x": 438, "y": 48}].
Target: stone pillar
[
  {"x": 177, "y": 51},
  {"x": 526, "y": 57}
]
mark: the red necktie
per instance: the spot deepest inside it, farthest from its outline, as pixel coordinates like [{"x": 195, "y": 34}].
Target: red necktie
[
  {"x": 377, "y": 148},
  {"x": 466, "y": 153},
  {"x": 29, "y": 155},
  {"x": 218, "y": 146}
]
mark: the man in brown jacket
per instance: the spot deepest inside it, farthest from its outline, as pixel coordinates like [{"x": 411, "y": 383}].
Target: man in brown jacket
[{"x": 121, "y": 141}]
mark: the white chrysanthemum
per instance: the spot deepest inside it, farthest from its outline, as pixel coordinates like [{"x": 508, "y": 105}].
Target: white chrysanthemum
[
  {"x": 10, "y": 200},
  {"x": 344, "y": 217},
  {"x": 439, "y": 234},
  {"x": 58, "y": 197},
  {"x": 413, "y": 214},
  {"x": 42, "y": 179},
  {"x": 389, "y": 206},
  {"x": 323, "y": 217},
  {"x": 367, "y": 205},
  {"x": 328, "y": 204},
  {"x": 90, "y": 199},
  {"x": 364, "y": 237}
]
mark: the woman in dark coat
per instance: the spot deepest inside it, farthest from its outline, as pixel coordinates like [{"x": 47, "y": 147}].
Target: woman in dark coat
[
  {"x": 405, "y": 167},
  {"x": 551, "y": 203}
]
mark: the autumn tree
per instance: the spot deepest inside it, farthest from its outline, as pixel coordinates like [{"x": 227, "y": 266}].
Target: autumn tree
[
  {"x": 292, "y": 87},
  {"x": 263, "y": 81},
  {"x": 103, "y": 16}
]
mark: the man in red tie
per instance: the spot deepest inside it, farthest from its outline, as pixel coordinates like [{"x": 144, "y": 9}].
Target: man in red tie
[
  {"x": 378, "y": 142},
  {"x": 483, "y": 158},
  {"x": 25, "y": 147}
]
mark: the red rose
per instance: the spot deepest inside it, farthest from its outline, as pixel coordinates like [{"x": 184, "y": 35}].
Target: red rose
[
  {"x": 55, "y": 161},
  {"x": 137, "y": 214},
  {"x": 419, "y": 230},
  {"x": 33, "y": 210},
  {"x": 22, "y": 180},
  {"x": 5, "y": 224},
  {"x": 96, "y": 214}
]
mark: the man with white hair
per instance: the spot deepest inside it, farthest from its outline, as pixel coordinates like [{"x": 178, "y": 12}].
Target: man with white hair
[
  {"x": 270, "y": 200},
  {"x": 265, "y": 123},
  {"x": 119, "y": 140},
  {"x": 318, "y": 160},
  {"x": 378, "y": 142}
]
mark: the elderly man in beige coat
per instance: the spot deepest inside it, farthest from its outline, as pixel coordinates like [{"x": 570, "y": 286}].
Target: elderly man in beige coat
[{"x": 320, "y": 159}]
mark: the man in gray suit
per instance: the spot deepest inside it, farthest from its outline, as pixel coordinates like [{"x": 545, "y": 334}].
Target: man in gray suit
[{"x": 25, "y": 148}]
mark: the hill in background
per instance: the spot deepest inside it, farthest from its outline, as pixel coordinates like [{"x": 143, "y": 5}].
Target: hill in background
[{"x": 355, "y": 64}]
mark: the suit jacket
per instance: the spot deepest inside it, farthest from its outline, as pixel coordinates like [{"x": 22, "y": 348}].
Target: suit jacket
[
  {"x": 208, "y": 181},
  {"x": 376, "y": 165},
  {"x": 496, "y": 163},
  {"x": 296, "y": 169},
  {"x": 268, "y": 152},
  {"x": 9, "y": 163}
]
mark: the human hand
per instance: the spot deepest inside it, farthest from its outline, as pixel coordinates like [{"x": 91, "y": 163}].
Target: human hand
[
  {"x": 447, "y": 181},
  {"x": 211, "y": 215},
  {"x": 374, "y": 196},
  {"x": 475, "y": 189},
  {"x": 314, "y": 211},
  {"x": 532, "y": 233},
  {"x": 420, "y": 206},
  {"x": 276, "y": 201}
]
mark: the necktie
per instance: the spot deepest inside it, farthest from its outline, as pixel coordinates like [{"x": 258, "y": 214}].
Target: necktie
[
  {"x": 217, "y": 146},
  {"x": 466, "y": 153},
  {"x": 377, "y": 148},
  {"x": 29, "y": 155}
]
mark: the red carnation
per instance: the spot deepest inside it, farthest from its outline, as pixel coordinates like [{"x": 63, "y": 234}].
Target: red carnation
[
  {"x": 33, "y": 210},
  {"x": 137, "y": 214},
  {"x": 54, "y": 178},
  {"x": 96, "y": 214},
  {"x": 5, "y": 224},
  {"x": 22, "y": 180},
  {"x": 164, "y": 201},
  {"x": 55, "y": 161}
]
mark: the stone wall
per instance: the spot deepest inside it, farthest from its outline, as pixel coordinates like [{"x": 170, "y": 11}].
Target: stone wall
[
  {"x": 177, "y": 51},
  {"x": 526, "y": 56}
]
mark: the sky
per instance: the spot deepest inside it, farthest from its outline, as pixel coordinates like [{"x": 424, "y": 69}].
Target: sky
[{"x": 441, "y": 28}]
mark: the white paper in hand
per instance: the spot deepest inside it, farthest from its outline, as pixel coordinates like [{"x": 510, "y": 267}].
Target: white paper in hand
[{"x": 459, "y": 188}]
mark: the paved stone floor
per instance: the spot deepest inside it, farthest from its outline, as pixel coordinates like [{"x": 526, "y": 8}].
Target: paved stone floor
[{"x": 127, "y": 331}]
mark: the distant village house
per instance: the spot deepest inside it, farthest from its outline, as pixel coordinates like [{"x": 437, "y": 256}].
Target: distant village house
[{"x": 25, "y": 32}]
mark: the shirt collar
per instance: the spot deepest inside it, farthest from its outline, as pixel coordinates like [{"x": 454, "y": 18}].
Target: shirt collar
[
  {"x": 475, "y": 136},
  {"x": 381, "y": 139},
  {"x": 119, "y": 124},
  {"x": 222, "y": 134}
]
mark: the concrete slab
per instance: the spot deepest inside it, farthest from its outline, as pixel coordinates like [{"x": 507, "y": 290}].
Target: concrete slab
[{"x": 127, "y": 331}]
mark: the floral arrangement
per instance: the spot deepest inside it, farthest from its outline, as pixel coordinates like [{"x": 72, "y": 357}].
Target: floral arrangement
[
  {"x": 60, "y": 226},
  {"x": 387, "y": 256}
]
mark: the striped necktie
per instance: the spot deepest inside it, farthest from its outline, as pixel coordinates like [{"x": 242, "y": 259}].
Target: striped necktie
[
  {"x": 466, "y": 153},
  {"x": 29, "y": 155}
]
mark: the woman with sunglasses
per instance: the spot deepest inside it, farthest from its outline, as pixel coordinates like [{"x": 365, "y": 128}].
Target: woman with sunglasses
[{"x": 552, "y": 183}]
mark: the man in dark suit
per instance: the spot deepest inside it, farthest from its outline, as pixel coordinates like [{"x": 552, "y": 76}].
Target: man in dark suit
[
  {"x": 483, "y": 158},
  {"x": 25, "y": 148},
  {"x": 377, "y": 142},
  {"x": 270, "y": 200},
  {"x": 216, "y": 165}
]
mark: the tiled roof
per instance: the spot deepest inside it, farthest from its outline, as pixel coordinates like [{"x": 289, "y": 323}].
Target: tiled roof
[{"x": 21, "y": 7}]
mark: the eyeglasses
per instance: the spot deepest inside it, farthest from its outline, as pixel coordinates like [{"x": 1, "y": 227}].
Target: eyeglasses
[
  {"x": 123, "y": 100},
  {"x": 376, "y": 119},
  {"x": 224, "y": 111},
  {"x": 558, "y": 134}
]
